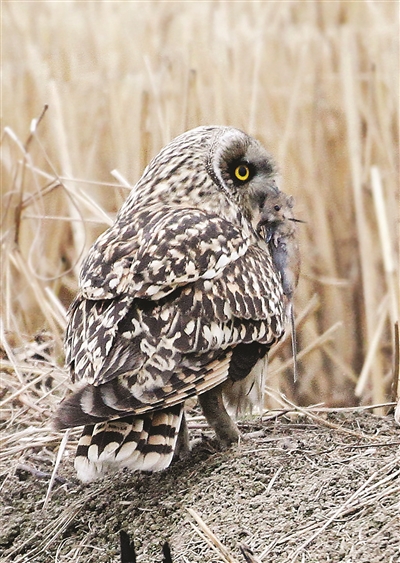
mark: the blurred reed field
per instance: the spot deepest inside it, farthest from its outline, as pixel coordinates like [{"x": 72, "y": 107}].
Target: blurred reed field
[{"x": 315, "y": 82}]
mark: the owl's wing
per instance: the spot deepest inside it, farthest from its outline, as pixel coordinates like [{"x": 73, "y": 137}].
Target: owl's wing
[
  {"x": 137, "y": 353},
  {"x": 148, "y": 259}
]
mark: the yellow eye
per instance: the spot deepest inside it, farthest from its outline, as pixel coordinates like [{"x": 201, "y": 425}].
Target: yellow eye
[{"x": 242, "y": 172}]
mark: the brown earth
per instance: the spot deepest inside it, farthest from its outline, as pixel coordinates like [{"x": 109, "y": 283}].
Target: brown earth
[{"x": 295, "y": 489}]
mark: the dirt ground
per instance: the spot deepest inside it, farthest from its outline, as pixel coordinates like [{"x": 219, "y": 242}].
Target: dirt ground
[{"x": 295, "y": 489}]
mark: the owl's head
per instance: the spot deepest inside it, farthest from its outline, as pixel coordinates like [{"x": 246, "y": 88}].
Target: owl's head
[
  {"x": 240, "y": 166},
  {"x": 215, "y": 168}
]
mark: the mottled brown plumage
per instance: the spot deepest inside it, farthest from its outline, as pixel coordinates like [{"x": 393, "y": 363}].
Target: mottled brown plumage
[{"x": 178, "y": 298}]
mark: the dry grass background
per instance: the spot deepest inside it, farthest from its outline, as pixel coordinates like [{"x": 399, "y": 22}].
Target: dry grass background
[{"x": 316, "y": 82}]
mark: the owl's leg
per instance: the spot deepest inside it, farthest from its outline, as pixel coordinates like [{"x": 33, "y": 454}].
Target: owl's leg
[{"x": 214, "y": 410}]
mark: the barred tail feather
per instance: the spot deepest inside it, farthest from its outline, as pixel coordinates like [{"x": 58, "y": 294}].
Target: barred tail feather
[{"x": 142, "y": 443}]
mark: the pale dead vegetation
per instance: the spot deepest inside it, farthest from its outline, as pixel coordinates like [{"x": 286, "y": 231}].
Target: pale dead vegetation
[{"x": 316, "y": 82}]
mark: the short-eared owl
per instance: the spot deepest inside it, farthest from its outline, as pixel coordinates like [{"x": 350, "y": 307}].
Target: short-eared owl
[{"x": 180, "y": 297}]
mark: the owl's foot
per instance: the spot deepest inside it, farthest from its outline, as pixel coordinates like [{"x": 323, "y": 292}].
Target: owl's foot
[{"x": 214, "y": 410}]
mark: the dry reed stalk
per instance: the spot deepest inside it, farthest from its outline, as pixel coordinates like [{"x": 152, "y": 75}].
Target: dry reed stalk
[
  {"x": 386, "y": 243},
  {"x": 211, "y": 539},
  {"x": 372, "y": 352},
  {"x": 53, "y": 477},
  {"x": 313, "y": 411}
]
